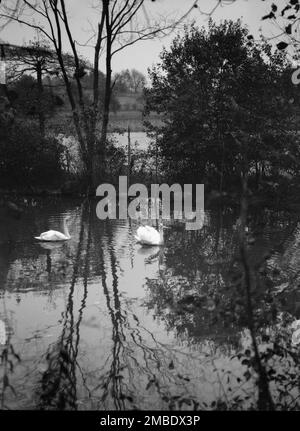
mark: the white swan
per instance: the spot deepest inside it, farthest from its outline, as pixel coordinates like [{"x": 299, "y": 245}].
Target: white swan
[
  {"x": 54, "y": 235},
  {"x": 147, "y": 235}
]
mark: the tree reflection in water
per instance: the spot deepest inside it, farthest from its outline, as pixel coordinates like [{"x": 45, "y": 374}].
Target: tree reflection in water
[
  {"x": 171, "y": 326},
  {"x": 58, "y": 384},
  {"x": 207, "y": 300}
]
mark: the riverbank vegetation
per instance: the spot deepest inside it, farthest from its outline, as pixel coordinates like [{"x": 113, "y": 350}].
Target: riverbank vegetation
[
  {"x": 229, "y": 108},
  {"x": 218, "y": 104},
  {"x": 90, "y": 116}
]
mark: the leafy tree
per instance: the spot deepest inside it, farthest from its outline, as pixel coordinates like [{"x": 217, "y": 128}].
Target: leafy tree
[
  {"x": 27, "y": 158},
  {"x": 225, "y": 100},
  {"x": 129, "y": 81},
  {"x": 121, "y": 80},
  {"x": 27, "y": 101},
  {"x": 38, "y": 60}
]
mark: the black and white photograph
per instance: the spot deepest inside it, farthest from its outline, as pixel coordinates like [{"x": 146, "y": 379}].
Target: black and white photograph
[{"x": 149, "y": 210}]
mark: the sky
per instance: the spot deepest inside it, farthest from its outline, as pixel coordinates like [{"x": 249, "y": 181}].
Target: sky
[{"x": 144, "y": 54}]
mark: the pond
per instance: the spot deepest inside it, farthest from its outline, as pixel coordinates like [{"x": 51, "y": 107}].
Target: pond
[
  {"x": 136, "y": 138},
  {"x": 100, "y": 322}
]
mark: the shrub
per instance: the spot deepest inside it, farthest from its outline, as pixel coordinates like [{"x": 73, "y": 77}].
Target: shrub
[{"x": 27, "y": 158}]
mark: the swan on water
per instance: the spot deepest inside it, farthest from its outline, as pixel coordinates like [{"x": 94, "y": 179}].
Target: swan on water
[
  {"x": 54, "y": 235},
  {"x": 148, "y": 235}
]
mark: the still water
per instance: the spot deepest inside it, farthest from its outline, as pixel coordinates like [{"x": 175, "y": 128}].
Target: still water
[
  {"x": 138, "y": 139},
  {"x": 102, "y": 323}
]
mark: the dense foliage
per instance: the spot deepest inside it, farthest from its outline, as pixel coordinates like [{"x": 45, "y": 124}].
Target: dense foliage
[
  {"x": 27, "y": 158},
  {"x": 129, "y": 81},
  {"x": 24, "y": 96},
  {"x": 228, "y": 107}
]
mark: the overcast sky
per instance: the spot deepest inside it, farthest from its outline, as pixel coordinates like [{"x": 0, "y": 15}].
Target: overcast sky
[{"x": 144, "y": 54}]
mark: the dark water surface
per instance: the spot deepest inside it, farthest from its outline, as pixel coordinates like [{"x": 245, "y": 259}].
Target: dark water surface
[{"x": 102, "y": 323}]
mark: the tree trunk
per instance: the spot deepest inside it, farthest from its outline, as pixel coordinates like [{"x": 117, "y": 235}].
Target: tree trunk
[
  {"x": 96, "y": 168},
  {"x": 99, "y": 165},
  {"x": 40, "y": 100},
  {"x": 105, "y": 121}
]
